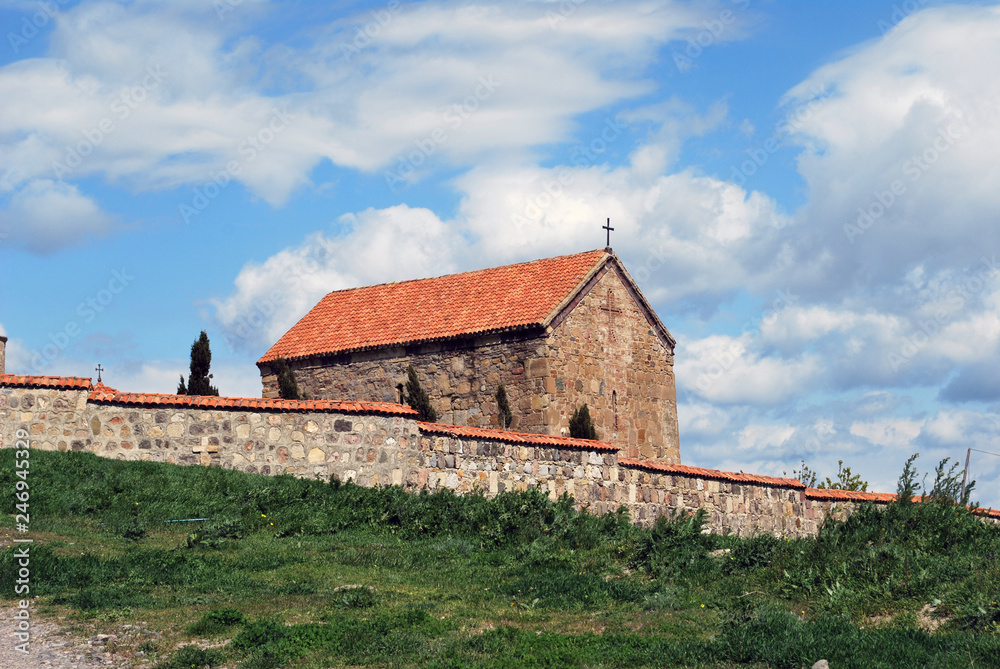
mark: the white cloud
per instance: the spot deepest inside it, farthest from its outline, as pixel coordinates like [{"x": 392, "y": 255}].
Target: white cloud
[
  {"x": 757, "y": 437},
  {"x": 45, "y": 216},
  {"x": 681, "y": 234},
  {"x": 727, "y": 370},
  {"x": 702, "y": 420},
  {"x": 918, "y": 109},
  {"x": 893, "y": 432},
  {"x": 155, "y": 95}
]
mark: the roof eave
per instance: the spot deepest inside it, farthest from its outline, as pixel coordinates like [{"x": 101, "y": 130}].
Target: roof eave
[{"x": 265, "y": 359}]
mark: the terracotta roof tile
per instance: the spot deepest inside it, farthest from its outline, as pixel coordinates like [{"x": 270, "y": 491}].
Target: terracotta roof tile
[
  {"x": 716, "y": 474},
  {"x": 515, "y": 437},
  {"x": 106, "y": 395},
  {"x": 60, "y": 382},
  {"x": 489, "y": 300},
  {"x": 877, "y": 497},
  {"x": 849, "y": 495}
]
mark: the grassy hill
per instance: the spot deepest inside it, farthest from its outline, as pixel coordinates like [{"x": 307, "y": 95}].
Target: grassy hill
[{"x": 294, "y": 573}]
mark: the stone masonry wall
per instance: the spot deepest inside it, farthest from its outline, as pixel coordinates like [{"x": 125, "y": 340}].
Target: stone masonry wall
[
  {"x": 461, "y": 378},
  {"x": 377, "y": 449},
  {"x": 304, "y": 443},
  {"x": 54, "y": 419}
]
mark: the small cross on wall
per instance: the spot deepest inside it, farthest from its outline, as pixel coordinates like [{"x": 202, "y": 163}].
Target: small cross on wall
[{"x": 610, "y": 308}]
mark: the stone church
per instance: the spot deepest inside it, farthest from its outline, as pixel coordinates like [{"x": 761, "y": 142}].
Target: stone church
[{"x": 558, "y": 333}]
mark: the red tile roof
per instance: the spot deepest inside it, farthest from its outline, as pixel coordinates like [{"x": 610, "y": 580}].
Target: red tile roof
[
  {"x": 849, "y": 495},
  {"x": 498, "y": 299},
  {"x": 525, "y": 438},
  {"x": 60, "y": 382},
  {"x": 105, "y": 395},
  {"x": 827, "y": 494},
  {"x": 667, "y": 468}
]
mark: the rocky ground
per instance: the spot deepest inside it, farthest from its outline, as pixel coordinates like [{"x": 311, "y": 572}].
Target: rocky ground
[{"x": 53, "y": 647}]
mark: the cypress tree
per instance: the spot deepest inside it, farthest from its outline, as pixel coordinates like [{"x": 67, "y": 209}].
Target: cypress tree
[
  {"x": 181, "y": 388},
  {"x": 580, "y": 425},
  {"x": 288, "y": 387},
  {"x": 417, "y": 397},
  {"x": 504, "y": 414},
  {"x": 201, "y": 360}
]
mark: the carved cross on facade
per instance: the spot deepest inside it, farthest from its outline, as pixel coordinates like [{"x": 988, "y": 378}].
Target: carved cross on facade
[{"x": 609, "y": 307}]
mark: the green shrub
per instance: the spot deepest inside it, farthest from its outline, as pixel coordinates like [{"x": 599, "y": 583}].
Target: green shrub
[
  {"x": 216, "y": 622},
  {"x": 504, "y": 415},
  {"x": 580, "y": 425},
  {"x": 417, "y": 397},
  {"x": 361, "y": 597},
  {"x": 675, "y": 545},
  {"x": 192, "y": 657}
]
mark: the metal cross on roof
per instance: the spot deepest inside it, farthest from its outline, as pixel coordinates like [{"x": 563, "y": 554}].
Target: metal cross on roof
[
  {"x": 98, "y": 369},
  {"x": 609, "y": 229}
]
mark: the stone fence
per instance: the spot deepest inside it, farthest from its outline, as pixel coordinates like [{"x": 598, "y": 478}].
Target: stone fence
[{"x": 375, "y": 443}]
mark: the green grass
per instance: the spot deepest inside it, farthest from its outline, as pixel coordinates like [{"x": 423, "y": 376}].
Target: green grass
[{"x": 296, "y": 573}]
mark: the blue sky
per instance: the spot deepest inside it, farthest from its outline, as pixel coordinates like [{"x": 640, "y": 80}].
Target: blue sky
[{"x": 805, "y": 191}]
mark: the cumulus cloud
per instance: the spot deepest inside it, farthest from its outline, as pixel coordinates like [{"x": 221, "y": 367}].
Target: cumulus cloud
[
  {"x": 44, "y": 216},
  {"x": 895, "y": 432},
  {"x": 683, "y": 234},
  {"x": 727, "y": 370},
  {"x": 899, "y": 155}
]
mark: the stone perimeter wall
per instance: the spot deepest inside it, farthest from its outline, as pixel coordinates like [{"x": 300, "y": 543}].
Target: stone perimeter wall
[{"x": 383, "y": 450}]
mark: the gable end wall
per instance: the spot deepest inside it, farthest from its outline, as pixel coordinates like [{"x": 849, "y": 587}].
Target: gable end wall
[{"x": 624, "y": 371}]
